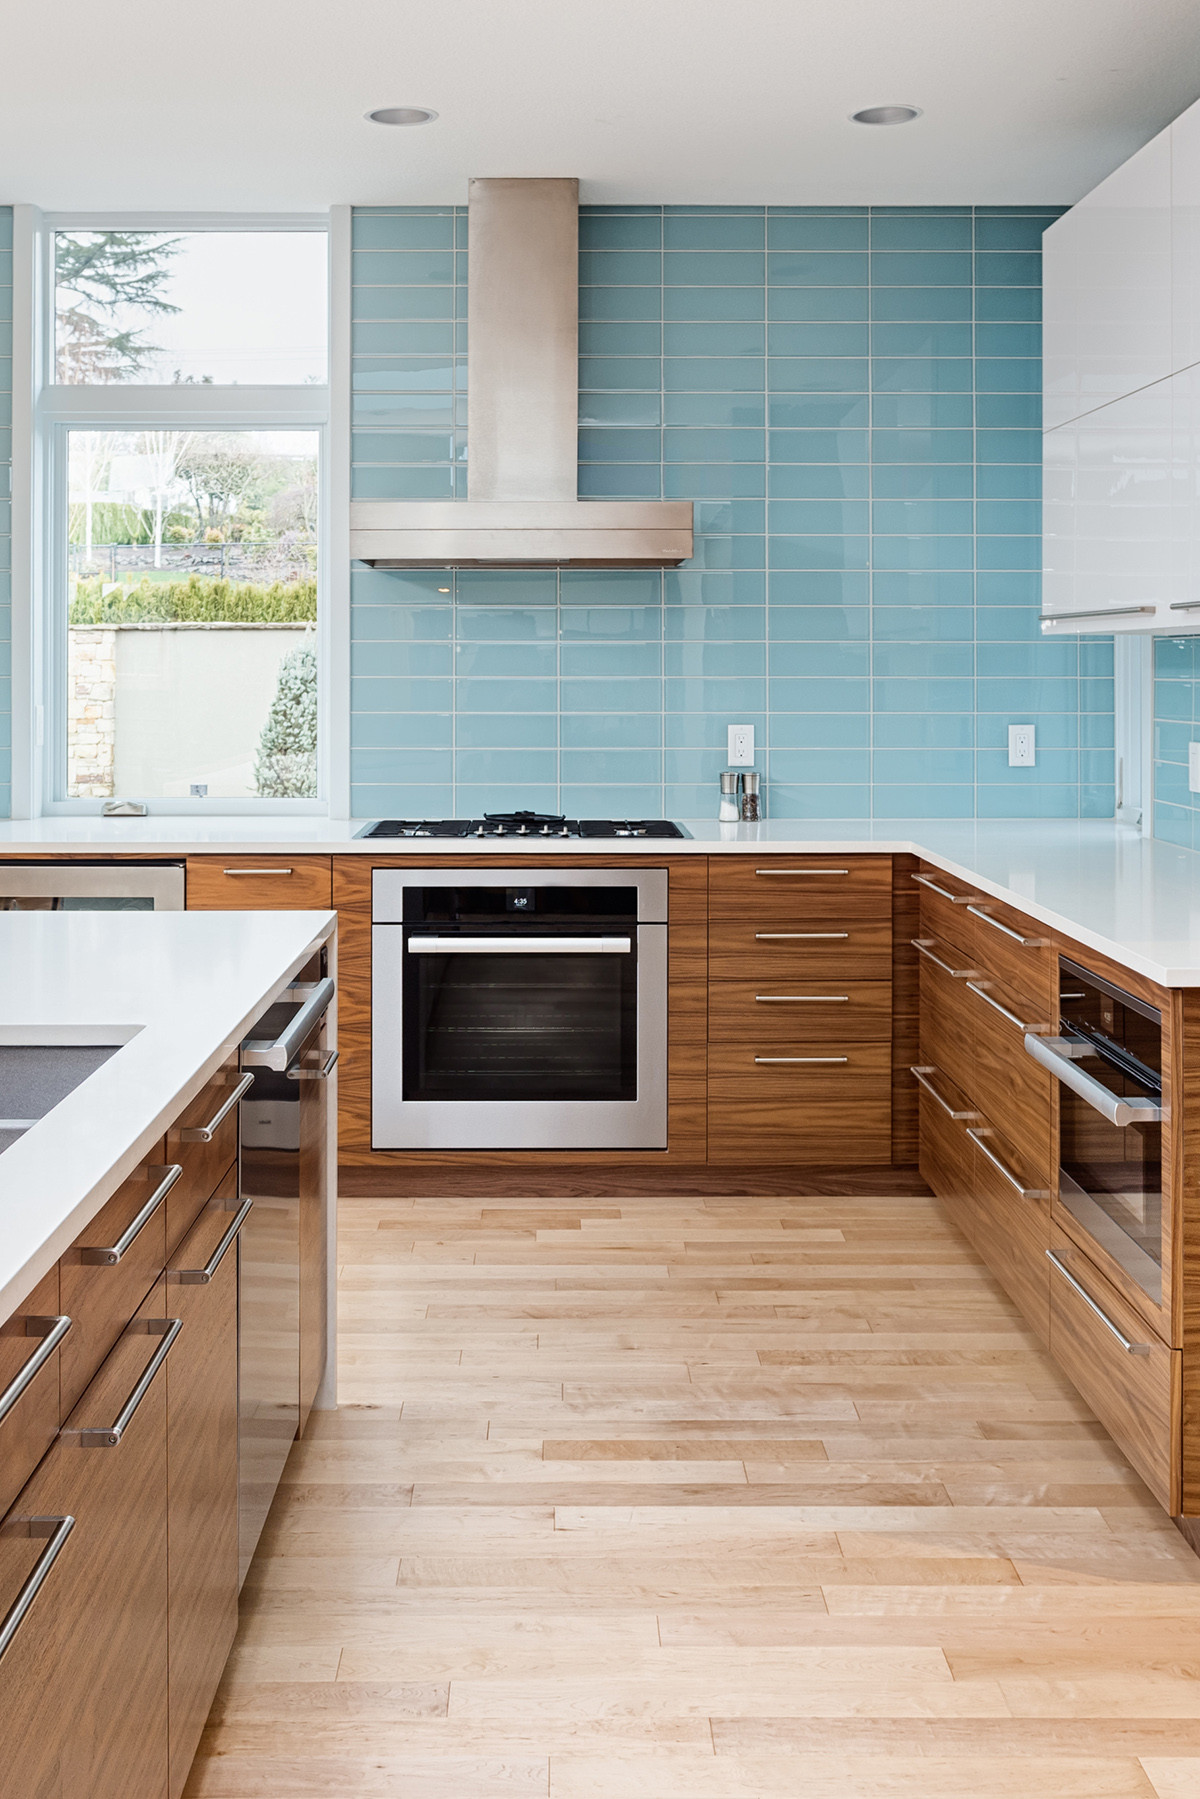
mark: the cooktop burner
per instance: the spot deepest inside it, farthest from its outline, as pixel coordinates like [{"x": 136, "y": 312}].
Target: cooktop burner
[{"x": 524, "y": 824}]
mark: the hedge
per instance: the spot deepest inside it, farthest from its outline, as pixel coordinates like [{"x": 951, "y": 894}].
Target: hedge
[{"x": 201, "y": 599}]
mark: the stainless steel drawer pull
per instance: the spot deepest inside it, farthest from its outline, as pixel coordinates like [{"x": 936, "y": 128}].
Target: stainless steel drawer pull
[
  {"x": 278, "y": 1055},
  {"x": 257, "y": 871},
  {"x": 316, "y": 1074},
  {"x": 921, "y": 1075},
  {"x": 1025, "y": 1029},
  {"x": 51, "y": 1331},
  {"x": 204, "y": 1133},
  {"x": 1060, "y": 618},
  {"x": 1127, "y": 1345},
  {"x": 57, "y": 1530},
  {"x": 922, "y": 944},
  {"x": 200, "y": 1277},
  {"x": 1025, "y": 942},
  {"x": 801, "y": 999},
  {"x": 1003, "y": 1168},
  {"x": 108, "y": 1436},
  {"x": 1054, "y": 1054},
  {"x": 956, "y": 899},
  {"x": 800, "y": 936},
  {"x": 802, "y": 871},
  {"x": 822, "y": 1059},
  {"x": 107, "y": 1258},
  {"x": 1184, "y": 606},
  {"x": 520, "y": 946}
]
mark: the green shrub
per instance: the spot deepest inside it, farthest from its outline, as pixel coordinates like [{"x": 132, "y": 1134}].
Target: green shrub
[{"x": 201, "y": 599}]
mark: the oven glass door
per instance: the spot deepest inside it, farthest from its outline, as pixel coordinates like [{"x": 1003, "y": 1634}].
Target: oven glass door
[
  {"x": 550, "y": 1023},
  {"x": 1110, "y": 1178}
]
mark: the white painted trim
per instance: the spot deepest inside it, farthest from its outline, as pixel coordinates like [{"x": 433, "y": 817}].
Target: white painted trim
[
  {"x": 335, "y": 533},
  {"x": 26, "y": 520},
  {"x": 1133, "y": 706},
  {"x": 186, "y": 221}
]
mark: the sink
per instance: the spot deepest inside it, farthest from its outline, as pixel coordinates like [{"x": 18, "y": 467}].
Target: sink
[{"x": 35, "y": 1077}]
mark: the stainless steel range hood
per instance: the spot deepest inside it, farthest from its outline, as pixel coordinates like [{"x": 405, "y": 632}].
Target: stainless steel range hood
[{"x": 522, "y": 416}]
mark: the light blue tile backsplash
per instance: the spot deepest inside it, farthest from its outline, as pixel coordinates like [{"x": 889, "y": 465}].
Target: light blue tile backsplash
[
  {"x": 1176, "y": 724},
  {"x": 6, "y": 222}
]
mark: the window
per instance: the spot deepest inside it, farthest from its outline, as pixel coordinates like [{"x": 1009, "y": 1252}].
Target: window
[{"x": 182, "y": 430}]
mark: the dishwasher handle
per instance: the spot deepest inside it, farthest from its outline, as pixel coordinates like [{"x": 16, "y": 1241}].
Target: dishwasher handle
[
  {"x": 520, "y": 946},
  {"x": 1118, "y": 1109},
  {"x": 280, "y": 1054}
]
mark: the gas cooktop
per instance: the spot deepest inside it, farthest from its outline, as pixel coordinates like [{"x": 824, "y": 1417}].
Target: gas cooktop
[{"x": 524, "y": 824}]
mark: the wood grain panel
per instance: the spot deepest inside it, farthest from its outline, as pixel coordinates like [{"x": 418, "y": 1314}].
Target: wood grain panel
[
  {"x": 947, "y": 1153},
  {"x": 259, "y": 883},
  {"x": 947, "y": 1036},
  {"x": 1013, "y": 1234},
  {"x": 827, "y": 1132},
  {"x": 30, "y": 1428},
  {"x": 1181, "y": 1164},
  {"x": 845, "y": 886},
  {"x": 101, "y": 1300},
  {"x": 1136, "y": 1397},
  {"x": 33, "y": 1695},
  {"x": 1015, "y": 1091},
  {"x": 943, "y": 904},
  {"x": 204, "y": 1164},
  {"x": 753, "y": 947},
  {"x": 906, "y": 914},
  {"x": 202, "y": 1482},
  {"x": 1027, "y": 970},
  {"x": 799, "y": 1011}
]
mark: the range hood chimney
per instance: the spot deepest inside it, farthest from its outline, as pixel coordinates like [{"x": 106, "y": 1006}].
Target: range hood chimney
[{"x": 522, "y": 416}]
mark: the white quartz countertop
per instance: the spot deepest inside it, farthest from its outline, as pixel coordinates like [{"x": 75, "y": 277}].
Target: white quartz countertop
[
  {"x": 178, "y": 991},
  {"x": 1134, "y": 899}
]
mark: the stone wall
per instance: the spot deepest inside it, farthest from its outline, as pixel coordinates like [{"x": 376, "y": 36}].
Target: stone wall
[{"x": 91, "y": 712}]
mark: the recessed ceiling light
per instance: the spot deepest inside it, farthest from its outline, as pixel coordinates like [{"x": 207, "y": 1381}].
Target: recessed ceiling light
[
  {"x": 402, "y": 115},
  {"x": 886, "y": 115}
]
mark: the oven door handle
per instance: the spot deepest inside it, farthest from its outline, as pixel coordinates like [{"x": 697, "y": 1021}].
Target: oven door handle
[
  {"x": 520, "y": 946},
  {"x": 1113, "y": 1106}
]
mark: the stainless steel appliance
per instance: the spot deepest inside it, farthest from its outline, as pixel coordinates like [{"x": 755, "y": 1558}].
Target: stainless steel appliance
[
  {"x": 1108, "y": 1060},
  {"x": 283, "y": 1119},
  {"x": 519, "y": 1008},
  {"x": 92, "y": 886},
  {"x": 523, "y": 824}
]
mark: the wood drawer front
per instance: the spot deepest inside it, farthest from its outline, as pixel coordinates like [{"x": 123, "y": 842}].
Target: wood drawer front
[
  {"x": 838, "y": 887},
  {"x": 1023, "y": 963},
  {"x": 204, "y": 1164},
  {"x": 946, "y": 1154},
  {"x": 100, "y": 1300},
  {"x": 944, "y": 902},
  {"x": 259, "y": 883},
  {"x": 799, "y": 1011},
  {"x": 31, "y": 1426},
  {"x": 826, "y": 1133},
  {"x": 1135, "y": 1397},
  {"x": 946, "y": 1015},
  {"x": 1013, "y": 1090},
  {"x": 1013, "y": 1234},
  {"x": 822, "y": 1071},
  {"x": 797, "y": 946}
]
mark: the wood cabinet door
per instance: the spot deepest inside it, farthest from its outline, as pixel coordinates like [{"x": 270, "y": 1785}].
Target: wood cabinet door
[
  {"x": 32, "y": 1691},
  {"x": 202, "y": 1474},
  {"x": 27, "y": 1354},
  {"x": 259, "y": 883},
  {"x": 313, "y": 1172}
]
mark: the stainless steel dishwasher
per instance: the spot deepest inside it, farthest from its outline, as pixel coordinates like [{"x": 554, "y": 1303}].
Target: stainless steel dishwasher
[{"x": 284, "y": 1266}]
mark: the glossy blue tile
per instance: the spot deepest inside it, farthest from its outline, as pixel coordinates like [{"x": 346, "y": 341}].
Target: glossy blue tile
[
  {"x": 402, "y": 802},
  {"x": 925, "y": 338},
  {"x": 611, "y": 766},
  {"x": 830, "y": 338},
  {"x": 806, "y": 661},
  {"x": 684, "y": 444},
  {"x": 715, "y": 694},
  {"x": 922, "y": 446},
  {"x": 922, "y": 231},
  {"x": 927, "y": 517},
  {"x": 890, "y": 553},
  {"x": 820, "y": 767},
  {"x": 613, "y": 304},
  {"x": 921, "y": 375},
  {"x": 935, "y": 304},
  {"x": 372, "y": 694},
  {"x": 473, "y": 801},
  {"x": 816, "y": 693},
  {"x": 620, "y": 409},
  {"x": 402, "y": 730},
  {"x": 1008, "y": 268},
  {"x": 820, "y": 730},
  {"x": 620, "y": 268},
  {"x": 400, "y": 766},
  {"x": 1019, "y": 340},
  {"x": 523, "y": 661},
  {"x": 745, "y": 337},
  {"x": 698, "y": 480},
  {"x": 824, "y": 234},
  {"x": 790, "y": 801},
  {"x": 818, "y": 624},
  {"x": 818, "y": 516},
  {"x": 924, "y": 731},
  {"x": 719, "y": 231},
  {"x": 505, "y": 624},
  {"x": 718, "y": 268},
  {"x": 702, "y": 305},
  {"x": 1018, "y": 232},
  {"x": 506, "y": 731},
  {"x": 814, "y": 411},
  {"x": 906, "y": 694},
  {"x": 412, "y": 231},
  {"x": 605, "y": 338},
  {"x": 820, "y": 481},
  {"x": 1022, "y": 412},
  {"x": 611, "y": 802},
  {"x": 404, "y": 659},
  {"x": 715, "y": 624},
  {"x": 485, "y": 695},
  {"x": 816, "y": 305},
  {"x": 923, "y": 481},
  {"x": 712, "y": 374},
  {"x": 913, "y": 411},
  {"x": 519, "y": 767},
  {"x": 818, "y": 375},
  {"x": 920, "y": 269},
  {"x": 602, "y": 660},
  {"x": 818, "y": 552},
  {"x": 924, "y": 802},
  {"x": 611, "y": 730},
  {"x": 807, "y": 268},
  {"x": 620, "y": 481},
  {"x": 1010, "y": 303},
  {"x": 631, "y": 694},
  {"x": 398, "y": 268},
  {"x": 620, "y": 231},
  {"x": 1011, "y": 518},
  {"x": 610, "y": 623}
]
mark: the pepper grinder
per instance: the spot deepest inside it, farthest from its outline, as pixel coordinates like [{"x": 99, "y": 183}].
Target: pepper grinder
[
  {"x": 751, "y": 799},
  {"x": 729, "y": 810}
]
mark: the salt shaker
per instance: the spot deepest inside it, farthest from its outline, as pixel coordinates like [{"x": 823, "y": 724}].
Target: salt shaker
[
  {"x": 729, "y": 811},
  {"x": 751, "y": 801}
]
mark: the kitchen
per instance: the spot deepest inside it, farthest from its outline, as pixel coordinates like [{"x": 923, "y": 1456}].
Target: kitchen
[{"x": 605, "y": 1036}]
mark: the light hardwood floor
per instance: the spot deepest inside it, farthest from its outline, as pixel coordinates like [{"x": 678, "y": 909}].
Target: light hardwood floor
[{"x": 702, "y": 1499}]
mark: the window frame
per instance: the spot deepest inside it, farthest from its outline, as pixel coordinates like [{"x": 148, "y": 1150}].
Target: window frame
[{"x": 59, "y": 409}]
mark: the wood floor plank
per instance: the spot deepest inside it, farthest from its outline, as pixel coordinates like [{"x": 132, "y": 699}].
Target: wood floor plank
[{"x": 701, "y": 1498}]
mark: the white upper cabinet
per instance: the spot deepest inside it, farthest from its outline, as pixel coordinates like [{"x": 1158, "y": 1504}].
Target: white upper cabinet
[
  {"x": 1107, "y": 288},
  {"x": 1185, "y": 238}
]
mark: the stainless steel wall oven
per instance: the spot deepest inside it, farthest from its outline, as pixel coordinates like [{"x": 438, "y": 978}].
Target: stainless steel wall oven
[{"x": 519, "y": 1008}]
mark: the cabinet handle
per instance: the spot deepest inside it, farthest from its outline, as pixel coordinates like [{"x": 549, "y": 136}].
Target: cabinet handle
[
  {"x": 1119, "y": 1109},
  {"x": 316, "y": 1074},
  {"x": 1184, "y": 606},
  {"x": 922, "y": 944},
  {"x": 108, "y": 1436},
  {"x": 57, "y": 1530},
  {"x": 956, "y": 899},
  {"x": 234, "y": 872},
  {"x": 921, "y": 1076},
  {"x": 1058, "y": 618},
  {"x": 801, "y": 999},
  {"x": 797, "y": 936},
  {"x": 200, "y": 1277},
  {"x": 51, "y": 1331},
  {"x": 278, "y": 1055},
  {"x": 108, "y": 1258},
  {"x": 1003, "y": 1168},
  {"x": 773, "y": 1059},
  {"x": 1025, "y": 942},
  {"x": 1030, "y": 1030},
  {"x": 1129, "y": 1347},
  {"x": 802, "y": 871},
  {"x": 204, "y": 1133}
]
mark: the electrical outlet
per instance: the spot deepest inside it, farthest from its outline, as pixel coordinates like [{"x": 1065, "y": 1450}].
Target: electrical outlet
[
  {"x": 741, "y": 746},
  {"x": 1194, "y": 767},
  {"x": 1022, "y": 746}
]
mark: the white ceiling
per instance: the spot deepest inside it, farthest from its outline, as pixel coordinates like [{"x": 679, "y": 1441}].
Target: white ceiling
[{"x": 258, "y": 105}]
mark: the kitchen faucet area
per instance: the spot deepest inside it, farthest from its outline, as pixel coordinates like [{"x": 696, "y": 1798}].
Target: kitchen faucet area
[{"x": 599, "y": 921}]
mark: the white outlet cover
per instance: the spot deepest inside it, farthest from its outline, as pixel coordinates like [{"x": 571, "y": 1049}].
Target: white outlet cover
[
  {"x": 1194, "y": 767},
  {"x": 1022, "y": 746},
  {"x": 741, "y": 746}
]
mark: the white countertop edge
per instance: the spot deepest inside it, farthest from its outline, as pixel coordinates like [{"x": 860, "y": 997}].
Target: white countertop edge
[{"x": 17, "y": 1284}]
